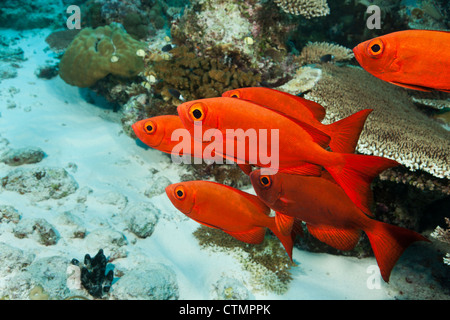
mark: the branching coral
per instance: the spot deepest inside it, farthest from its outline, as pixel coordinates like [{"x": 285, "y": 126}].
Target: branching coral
[
  {"x": 307, "y": 8},
  {"x": 395, "y": 129},
  {"x": 197, "y": 77},
  {"x": 444, "y": 236},
  {"x": 95, "y": 53}
]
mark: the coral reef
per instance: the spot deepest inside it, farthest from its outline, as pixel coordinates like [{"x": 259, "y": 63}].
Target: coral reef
[
  {"x": 31, "y": 14},
  {"x": 267, "y": 262},
  {"x": 17, "y": 157},
  {"x": 427, "y": 14},
  {"x": 58, "y": 41},
  {"x": 142, "y": 218},
  {"x": 95, "y": 53},
  {"x": 314, "y": 52},
  {"x": 230, "y": 289},
  {"x": 140, "y": 18},
  {"x": 93, "y": 274},
  {"x": 38, "y": 229},
  {"x": 395, "y": 129},
  {"x": 443, "y": 235},
  {"x": 40, "y": 183},
  {"x": 307, "y": 8},
  {"x": 149, "y": 281},
  {"x": 197, "y": 77}
]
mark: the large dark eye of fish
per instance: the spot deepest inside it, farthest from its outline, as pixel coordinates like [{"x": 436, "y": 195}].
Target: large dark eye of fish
[
  {"x": 180, "y": 193},
  {"x": 265, "y": 181},
  {"x": 235, "y": 94},
  {"x": 150, "y": 127},
  {"x": 375, "y": 48},
  {"x": 197, "y": 112}
]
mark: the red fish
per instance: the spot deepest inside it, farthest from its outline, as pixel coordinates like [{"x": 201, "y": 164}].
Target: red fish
[
  {"x": 237, "y": 213},
  {"x": 331, "y": 216},
  {"x": 157, "y": 133},
  {"x": 301, "y": 146},
  {"x": 344, "y": 134},
  {"x": 414, "y": 59}
]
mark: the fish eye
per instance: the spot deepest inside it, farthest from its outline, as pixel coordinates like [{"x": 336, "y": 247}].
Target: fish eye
[
  {"x": 375, "y": 48},
  {"x": 235, "y": 94},
  {"x": 149, "y": 127},
  {"x": 180, "y": 193},
  {"x": 197, "y": 112},
  {"x": 265, "y": 181}
]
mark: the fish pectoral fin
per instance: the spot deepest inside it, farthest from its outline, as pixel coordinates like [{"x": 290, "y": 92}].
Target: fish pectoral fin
[
  {"x": 411, "y": 86},
  {"x": 284, "y": 223},
  {"x": 306, "y": 169},
  {"x": 341, "y": 239},
  {"x": 252, "y": 236}
]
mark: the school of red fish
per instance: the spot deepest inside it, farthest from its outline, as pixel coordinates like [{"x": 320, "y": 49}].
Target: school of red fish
[{"x": 319, "y": 181}]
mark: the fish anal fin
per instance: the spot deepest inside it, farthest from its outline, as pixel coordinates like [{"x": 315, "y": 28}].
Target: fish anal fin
[
  {"x": 341, "y": 239},
  {"x": 252, "y": 236},
  {"x": 316, "y": 109},
  {"x": 284, "y": 223},
  {"x": 306, "y": 169}
]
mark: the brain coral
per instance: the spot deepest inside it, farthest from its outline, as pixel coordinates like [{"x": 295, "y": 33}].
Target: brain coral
[
  {"x": 395, "y": 129},
  {"x": 95, "y": 53}
]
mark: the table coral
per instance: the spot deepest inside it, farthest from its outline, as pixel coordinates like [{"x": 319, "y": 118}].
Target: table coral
[
  {"x": 396, "y": 129},
  {"x": 314, "y": 51},
  {"x": 95, "y": 53}
]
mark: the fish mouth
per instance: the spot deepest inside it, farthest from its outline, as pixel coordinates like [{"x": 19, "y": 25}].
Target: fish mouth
[
  {"x": 170, "y": 194},
  {"x": 141, "y": 136}
]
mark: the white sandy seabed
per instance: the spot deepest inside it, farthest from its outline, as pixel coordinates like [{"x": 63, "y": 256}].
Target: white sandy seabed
[{"x": 53, "y": 116}]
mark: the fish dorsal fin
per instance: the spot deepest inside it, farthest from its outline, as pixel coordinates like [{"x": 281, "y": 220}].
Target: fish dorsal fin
[
  {"x": 284, "y": 223},
  {"x": 307, "y": 169},
  {"x": 317, "y": 136},
  {"x": 341, "y": 239},
  {"x": 252, "y": 236},
  {"x": 316, "y": 110},
  {"x": 246, "y": 168}
]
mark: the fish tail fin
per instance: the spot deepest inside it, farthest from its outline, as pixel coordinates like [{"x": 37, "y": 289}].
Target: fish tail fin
[
  {"x": 345, "y": 133},
  {"x": 388, "y": 244},
  {"x": 355, "y": 174}
]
